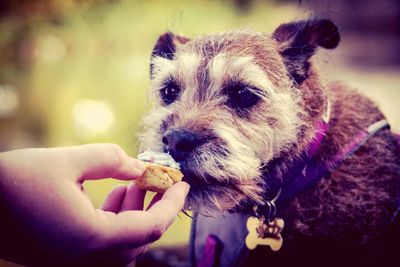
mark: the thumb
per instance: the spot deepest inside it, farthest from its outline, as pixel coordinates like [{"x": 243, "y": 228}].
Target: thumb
[
  {"x": 131, "y": 229},
  {"x": 98, "y": 161}
]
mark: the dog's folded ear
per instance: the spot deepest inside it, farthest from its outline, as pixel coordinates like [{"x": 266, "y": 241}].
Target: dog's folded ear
[
  {"x": 166, "y": 46},
  {"x": 297, "y": 42}
]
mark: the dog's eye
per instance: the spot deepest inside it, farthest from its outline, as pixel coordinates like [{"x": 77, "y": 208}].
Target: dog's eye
[
  {"x": 170, "y": 92},
  {"x": 241, "y": 97}
]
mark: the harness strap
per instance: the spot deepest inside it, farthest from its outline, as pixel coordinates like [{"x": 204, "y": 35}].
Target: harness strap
[
  {"x": 314, "y": 170},
  {"x": 211, "y": 252},
  {"x": 357, "y": 142}
]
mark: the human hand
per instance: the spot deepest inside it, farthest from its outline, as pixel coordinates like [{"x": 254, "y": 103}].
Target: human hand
[{"x": 46, "y": 217}]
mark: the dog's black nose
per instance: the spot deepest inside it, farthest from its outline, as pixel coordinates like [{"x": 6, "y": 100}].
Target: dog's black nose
[{"x": 180, "y": 143}]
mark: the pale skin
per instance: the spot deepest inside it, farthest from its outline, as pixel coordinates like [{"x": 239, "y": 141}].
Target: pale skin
[{"x": 46, "y": 217}]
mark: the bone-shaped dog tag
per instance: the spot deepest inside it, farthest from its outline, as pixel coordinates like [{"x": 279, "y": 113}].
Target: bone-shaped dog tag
[{"x": 264, "y": 234}]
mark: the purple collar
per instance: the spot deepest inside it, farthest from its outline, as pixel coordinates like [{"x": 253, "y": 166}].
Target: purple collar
[{"x": 305, "y": 170}]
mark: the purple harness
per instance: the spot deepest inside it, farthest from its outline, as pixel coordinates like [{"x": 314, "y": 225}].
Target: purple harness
[{"x": 219, "y": 241}]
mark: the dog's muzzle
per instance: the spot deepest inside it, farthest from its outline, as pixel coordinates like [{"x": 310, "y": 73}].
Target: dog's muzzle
[{"x": 180, "y": 143}]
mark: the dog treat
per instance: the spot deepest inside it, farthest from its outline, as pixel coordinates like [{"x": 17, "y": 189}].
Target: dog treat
[{"x": 161, "y": 172}]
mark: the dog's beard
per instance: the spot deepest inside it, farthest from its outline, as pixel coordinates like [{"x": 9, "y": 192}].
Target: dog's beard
[{"x": 219, "y": 180}]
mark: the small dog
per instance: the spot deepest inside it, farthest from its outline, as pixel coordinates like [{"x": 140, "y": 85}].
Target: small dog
[{"x": 239, "y": 109}]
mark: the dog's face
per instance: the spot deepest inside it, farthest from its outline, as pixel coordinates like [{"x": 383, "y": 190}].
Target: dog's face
[{"x": 226, "y": 104}]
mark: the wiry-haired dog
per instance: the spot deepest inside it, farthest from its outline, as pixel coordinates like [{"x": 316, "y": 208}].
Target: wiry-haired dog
[{"x": 240, "y": 110}]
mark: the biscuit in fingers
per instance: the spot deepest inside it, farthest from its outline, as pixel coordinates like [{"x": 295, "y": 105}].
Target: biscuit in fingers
[{"x": 158, "y": 178}]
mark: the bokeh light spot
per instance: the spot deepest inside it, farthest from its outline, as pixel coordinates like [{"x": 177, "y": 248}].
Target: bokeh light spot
[
  {"x": 51, "y": 48},
  {"x": 92, "y": 118},
  {"x": 9, "y": 101}
]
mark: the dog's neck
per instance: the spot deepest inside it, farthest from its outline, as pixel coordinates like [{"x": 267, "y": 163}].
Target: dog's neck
[{"x": 282, "y": 170}]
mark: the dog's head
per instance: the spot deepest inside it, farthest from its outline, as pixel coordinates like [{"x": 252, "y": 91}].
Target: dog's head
[{"x": 226, "y": 104}]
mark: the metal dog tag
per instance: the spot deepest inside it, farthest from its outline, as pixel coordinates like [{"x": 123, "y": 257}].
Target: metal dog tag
[{"x": 262, "y": 233}]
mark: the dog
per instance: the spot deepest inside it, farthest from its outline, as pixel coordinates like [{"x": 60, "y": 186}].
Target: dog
[{"x": 241, "y": 111}]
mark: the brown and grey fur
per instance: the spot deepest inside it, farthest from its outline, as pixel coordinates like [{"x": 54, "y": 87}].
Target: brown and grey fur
[{"x": 247, "y": 153}]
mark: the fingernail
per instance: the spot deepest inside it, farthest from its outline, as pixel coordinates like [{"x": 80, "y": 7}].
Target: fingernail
[
  {"x": 187, "y": 187},
  {"x": 140, "y": 165}
]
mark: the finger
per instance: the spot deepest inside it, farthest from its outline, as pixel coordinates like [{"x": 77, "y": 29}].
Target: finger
[
  {"x": 97, "y": 161},
  {"x": 155, "y": 199},
  {"x": 171, "y": 203},
  {"x": 131, "y": 254},
  {"x": 127, "y": 230},
  {"x": 136, "y": 228},
  {"x": 125, "y": 257},
  {"x": 115, "y": 199},
  {"x": 134, "y": 198}
]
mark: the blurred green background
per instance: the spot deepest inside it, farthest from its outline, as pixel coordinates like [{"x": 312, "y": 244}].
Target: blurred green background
[{"x": 75, "y": 72}]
